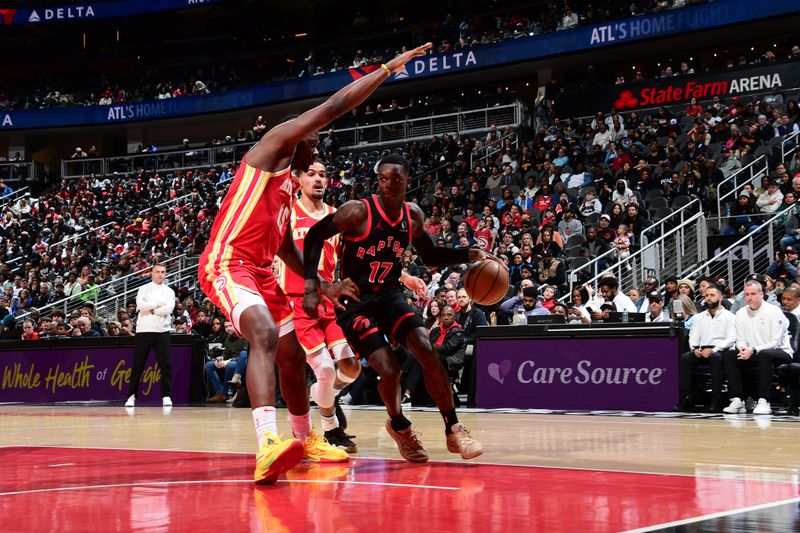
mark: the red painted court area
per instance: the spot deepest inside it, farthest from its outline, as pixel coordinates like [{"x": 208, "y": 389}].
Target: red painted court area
[{"x": 79, "y": 489}]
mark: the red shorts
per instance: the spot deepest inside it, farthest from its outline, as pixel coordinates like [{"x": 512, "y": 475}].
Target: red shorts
[
  {"x": 225, "y": 290},
  {"x": 313, "y": 334}
]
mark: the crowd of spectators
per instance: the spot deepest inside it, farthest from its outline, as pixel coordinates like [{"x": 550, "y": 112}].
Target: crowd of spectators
[
  {"x": 538, "y": 199},
  {"x": 452, "y": 32}
]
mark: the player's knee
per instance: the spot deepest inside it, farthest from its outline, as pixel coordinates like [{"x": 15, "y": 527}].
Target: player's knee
[
  {"x": 349, "y": 369},
  {"x": 265, "y": 338}
]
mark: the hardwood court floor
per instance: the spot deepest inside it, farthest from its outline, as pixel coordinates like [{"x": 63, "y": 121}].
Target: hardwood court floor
[{"x": 98, "y": 468}]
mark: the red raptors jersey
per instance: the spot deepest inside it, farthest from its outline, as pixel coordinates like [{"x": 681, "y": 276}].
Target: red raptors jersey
[
  {"x": 302, "y": 220},
  {"x": 251, "y": 222}
]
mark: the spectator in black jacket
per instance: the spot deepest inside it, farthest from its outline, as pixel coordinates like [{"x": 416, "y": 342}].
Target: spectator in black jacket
[{"x": 448, "y": 340}]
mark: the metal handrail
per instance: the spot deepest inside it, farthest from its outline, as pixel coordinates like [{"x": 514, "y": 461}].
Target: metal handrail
[
  {"x": 726, "y": 251},
  {"x": 794, "y": 137},
  {"x": 648, "y": 246},
  {"x": 186, "y": 272},
  {"x": 64, "y": 302},
  {"x": 13, "y": 197},
  {"x": 488, "y": 154},
  {"x": 735, "y": 178}
]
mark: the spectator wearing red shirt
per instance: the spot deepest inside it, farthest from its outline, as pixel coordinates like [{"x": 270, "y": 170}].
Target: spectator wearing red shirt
[
  {"x": 471, "y": 219},
  {"x": 29, "y": 331},
  {"x": 694, "y": 109}
]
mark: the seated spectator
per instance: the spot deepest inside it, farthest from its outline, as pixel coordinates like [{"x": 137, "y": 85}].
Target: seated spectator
[
  {"x": 785, "y": 264},
  {"x": 227, "y": 364},
  {"x": 655, "y": 311},
  {"x": 527, "y": 300},
  {"x": 114, "y": 329},
  {"x": 84, "y": 328},
  {"x": 771, "y": 200},
  {"x": 29, "y": 332},
  {"x": 762, "y": 340},
  {"x": 551, "y": 271},
  {"x": 609, "y": 289},
  {"x": 741, "y": 220},
  {"x": 622, "y": 243}
]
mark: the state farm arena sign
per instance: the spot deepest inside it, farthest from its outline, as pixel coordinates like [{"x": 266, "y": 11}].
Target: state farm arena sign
[{"x": 680, "y": 90}]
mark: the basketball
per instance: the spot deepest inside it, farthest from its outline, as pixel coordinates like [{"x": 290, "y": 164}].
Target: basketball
[{"x": 486, "y": 282}]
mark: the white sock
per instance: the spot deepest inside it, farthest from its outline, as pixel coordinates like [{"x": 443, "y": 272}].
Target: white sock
[
  {"x": 301, "y": 425},
  {"x": 329, "y": 422},
  {"x": 264, "y": 420}
]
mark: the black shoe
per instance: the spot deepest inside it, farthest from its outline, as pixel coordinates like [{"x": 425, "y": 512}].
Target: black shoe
[
  {"x": 340, "y": 416},
  {"x": 685, "y": 404},
  {"x": 406, "y": 400},
  {"x": 338, "y": 438},
  {"x": 716, "y": 406}
]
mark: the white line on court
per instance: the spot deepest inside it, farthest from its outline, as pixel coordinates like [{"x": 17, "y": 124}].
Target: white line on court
[
  {"x": 453, "y": 461},
  {"x": 714, "y": 515},
  {"x": 210, "y": 481}
]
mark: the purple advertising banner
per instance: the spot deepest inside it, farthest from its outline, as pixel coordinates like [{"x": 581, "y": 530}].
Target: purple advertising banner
[
  {"x": 84, "y": 374},
  {"x": 632, "y": 374}
]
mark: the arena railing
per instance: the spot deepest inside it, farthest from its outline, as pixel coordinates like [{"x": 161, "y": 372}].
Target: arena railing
[
  {"x": 491, "y": 150},
  {"x": 109, "y": 303},
  {"x": 733, "y": 184},
  {"x": 423, "y": 128},
  {"x": 788, "y": 145},
  {"x": 21, "y": 171},
  {"x": 675, "y": 241},
  {"x": 128, "y": 282},
  {"x": 12, "y": 197},
  {"x": 751, "y": 253}
]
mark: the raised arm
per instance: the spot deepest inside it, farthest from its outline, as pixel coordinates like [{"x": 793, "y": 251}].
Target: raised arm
[{"x": 275, "y": 149}]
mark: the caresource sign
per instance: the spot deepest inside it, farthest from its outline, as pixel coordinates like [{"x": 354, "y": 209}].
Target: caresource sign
[{"x": 623, "y": 373}]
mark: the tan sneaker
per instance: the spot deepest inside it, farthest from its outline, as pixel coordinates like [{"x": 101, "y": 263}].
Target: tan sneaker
[
  {"x": 408, "y": 443},
  {"x": 461, "y": 441}
]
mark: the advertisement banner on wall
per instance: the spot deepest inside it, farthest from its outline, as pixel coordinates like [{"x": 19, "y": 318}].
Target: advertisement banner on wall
[
  {"x": 679, "y": 90},
  {"x": 87, "y": 374},
  {"x": 635, "y": 374},
  {"x": 93, "y": 10},
  {"x": 529, "y": 48}
]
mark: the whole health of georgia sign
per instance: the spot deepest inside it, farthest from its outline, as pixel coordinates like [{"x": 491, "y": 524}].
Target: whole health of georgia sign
[{"x": 47, "y": 375}]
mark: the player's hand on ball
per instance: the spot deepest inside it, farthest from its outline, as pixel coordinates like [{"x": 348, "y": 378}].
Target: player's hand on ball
[{"x": 476, "y": 254}]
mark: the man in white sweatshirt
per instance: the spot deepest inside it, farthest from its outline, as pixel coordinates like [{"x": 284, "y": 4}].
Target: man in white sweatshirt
[
  {"x": 155, "y": 302},
  {"x": 762, "y": 338}
]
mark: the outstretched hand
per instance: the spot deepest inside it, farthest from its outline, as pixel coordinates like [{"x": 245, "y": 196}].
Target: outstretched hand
[
  {"x": 415, "y": 284},
  {"x": 345, "y": 288},
  {"x": 399, "y": 62}
]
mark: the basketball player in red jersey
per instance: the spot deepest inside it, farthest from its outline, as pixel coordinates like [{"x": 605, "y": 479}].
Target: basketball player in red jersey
[
  {"x": 321, "y": 338},
  {"x": 235, "y": 272},
  {"x": 375, "y": 232}
]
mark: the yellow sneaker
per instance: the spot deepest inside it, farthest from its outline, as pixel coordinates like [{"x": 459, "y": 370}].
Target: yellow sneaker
[
  {"x": 317, "y": 449},
  {"x": 461, "y": 441},
  {"x": 276, "y": 456}
]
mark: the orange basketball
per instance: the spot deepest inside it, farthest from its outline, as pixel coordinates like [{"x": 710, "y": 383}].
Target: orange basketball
[{"x": 486, "y": 282}]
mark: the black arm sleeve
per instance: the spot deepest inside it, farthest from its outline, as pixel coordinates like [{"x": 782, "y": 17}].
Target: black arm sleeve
[
  {"x": 438, "y": 256},
  {"x": 314, "y": 242}
]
